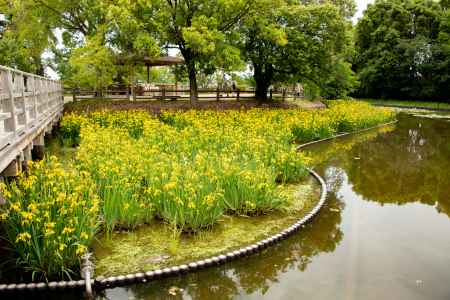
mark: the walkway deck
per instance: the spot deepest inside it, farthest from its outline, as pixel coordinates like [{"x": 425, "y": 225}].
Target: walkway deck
[{"x": 29, "y": 107}]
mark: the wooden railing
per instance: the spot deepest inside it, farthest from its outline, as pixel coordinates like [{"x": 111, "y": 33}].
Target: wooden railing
[
  {"x": 29, "y": 105},
  {"x": 172, "y": 94}
]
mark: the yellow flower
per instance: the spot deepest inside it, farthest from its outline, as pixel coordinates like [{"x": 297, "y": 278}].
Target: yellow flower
[
  {"x": 170, "y": 185},
  {"x": 61, "y": 196},
  {"x": 84, "y": 235},
  {"x": 15, "y": 206},
  {"x": 26, "y": 217},
  {"x": 4, "y": 216},
  {"x": 68, "y": 230},
  {"x": 32, "y": 207},
  {"x": 81, "y": 249},
  {"x": 23, "y": 237}
]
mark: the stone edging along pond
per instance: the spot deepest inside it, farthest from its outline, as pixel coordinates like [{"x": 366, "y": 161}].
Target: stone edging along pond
[
  {"x": 411, "y": 107},
  {"x": 101, "y": 282}
]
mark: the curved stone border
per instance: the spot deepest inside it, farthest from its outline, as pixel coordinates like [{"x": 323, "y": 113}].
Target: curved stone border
[{"x": 101, "y": 282}]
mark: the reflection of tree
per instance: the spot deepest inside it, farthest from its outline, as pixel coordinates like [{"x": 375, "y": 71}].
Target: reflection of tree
[
  {"x": 335, "y": 149},
  {"x": 408, "y": 165},
  {"x": 257, "y": 272},
  {"x": 212, "y": 283},
  {"x": 322, "y": 235}
]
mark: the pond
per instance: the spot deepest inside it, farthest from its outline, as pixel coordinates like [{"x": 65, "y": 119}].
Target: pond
[{"x": 383, "y": 234}]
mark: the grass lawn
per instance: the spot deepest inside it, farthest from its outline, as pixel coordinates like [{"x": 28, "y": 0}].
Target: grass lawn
[{"x": 406, "y": 103}]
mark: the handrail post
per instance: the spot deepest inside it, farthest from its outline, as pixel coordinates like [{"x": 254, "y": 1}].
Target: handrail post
[
  {"x": 35, "y": 104},
  {"x": 47, "y": 98},
  {"x": 217, "y": 94},
  {"x": 11, "y": 104},
  {"x": 237, "y": 95},
  {"x": 38, "y": 84},
  {"x": 24, "y": 100}
]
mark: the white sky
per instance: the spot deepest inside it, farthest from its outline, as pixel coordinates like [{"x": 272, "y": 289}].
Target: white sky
[{"x": 361, "y": 6}]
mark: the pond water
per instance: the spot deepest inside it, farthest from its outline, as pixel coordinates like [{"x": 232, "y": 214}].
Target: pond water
[{"x": 383, "y": 234}]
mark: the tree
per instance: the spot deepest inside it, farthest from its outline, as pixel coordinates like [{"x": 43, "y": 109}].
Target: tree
[
  {"x": 92, "y": 66},
  {"x": 298, "y": 43},
  {"x": 403, "y": 50},
  {"x": 24, "y": 36},
  {"x": 202, "y": 30}
]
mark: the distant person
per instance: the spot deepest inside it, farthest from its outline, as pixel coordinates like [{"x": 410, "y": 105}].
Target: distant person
[{"x": 234, "y": 86}]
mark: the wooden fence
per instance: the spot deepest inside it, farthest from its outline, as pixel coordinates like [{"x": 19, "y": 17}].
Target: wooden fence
[
  {"x": 172, "y": 94},
  {"x": 29, "y": 106}
]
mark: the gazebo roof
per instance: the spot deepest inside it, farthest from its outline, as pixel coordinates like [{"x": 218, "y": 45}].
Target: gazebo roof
[{"x": 151, "y": 61}]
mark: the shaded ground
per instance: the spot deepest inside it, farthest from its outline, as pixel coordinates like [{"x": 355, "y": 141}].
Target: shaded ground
[{"x": 157, "y": 106}]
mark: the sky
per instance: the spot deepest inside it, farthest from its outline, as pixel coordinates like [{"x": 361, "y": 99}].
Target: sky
[{"x": 361, "y": 6}]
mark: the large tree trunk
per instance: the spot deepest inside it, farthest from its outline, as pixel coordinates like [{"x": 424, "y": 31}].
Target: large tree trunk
[
  {"x": 192, "y": 74},
  {"x": 262, "y": 89},
  {"x": 193, "y": 87},
  {"x": 262, "y": 83}
]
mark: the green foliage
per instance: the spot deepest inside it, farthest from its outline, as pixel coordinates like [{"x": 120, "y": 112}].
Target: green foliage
[
  {"x": 92, "y": 66},
  {"x": 24, "y": 36},
  {"x": 299, "y": 43},
  {"x": 403, "y": 50},
  {"x": 203, "y": 32}
]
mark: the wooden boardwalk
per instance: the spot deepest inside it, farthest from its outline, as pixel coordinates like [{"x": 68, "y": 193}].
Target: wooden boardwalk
[{"x": 29, "y": 107}]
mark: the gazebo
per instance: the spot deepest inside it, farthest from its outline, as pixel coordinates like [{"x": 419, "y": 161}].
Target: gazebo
[{"x": 148, "y": 62}]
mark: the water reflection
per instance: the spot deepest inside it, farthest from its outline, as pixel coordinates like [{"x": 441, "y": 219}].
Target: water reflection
[
  {"x": 378, "y": 236},
  {"x": 411, "y": 164}
]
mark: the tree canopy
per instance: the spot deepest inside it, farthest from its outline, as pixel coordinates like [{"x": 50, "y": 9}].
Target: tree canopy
[
  {"x": 299, "y": 42},
  {"x": 403, "y": 50},
  {"x": 399, "y": 49}
]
